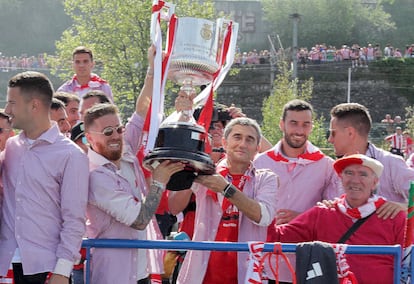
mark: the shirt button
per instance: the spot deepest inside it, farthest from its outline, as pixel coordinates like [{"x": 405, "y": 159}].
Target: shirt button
[
  {"x": 18, "y": 218},
  {"x": 18, "y": 236}
]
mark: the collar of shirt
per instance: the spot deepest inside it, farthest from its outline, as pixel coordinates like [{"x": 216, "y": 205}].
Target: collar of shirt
[
  {"x": 312, "y": 154},
  {"x": 49, "y": 136}
]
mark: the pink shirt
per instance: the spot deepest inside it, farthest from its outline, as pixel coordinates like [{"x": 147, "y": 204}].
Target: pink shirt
[
  {"x": 395, "y": 180},
  {"x": 303, "y": 182},
  {"x": 114, "y": 203},
  {"x": 261, "y": 186},
  {"x": 73, "y": 86},
  {"x": 45, "y": 195}
]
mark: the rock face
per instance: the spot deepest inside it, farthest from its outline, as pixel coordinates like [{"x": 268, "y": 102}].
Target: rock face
[{"x": 252, "y": 85}]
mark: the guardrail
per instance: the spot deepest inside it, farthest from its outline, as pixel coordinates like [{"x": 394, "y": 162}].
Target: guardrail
[{"x": 395, "y": 250}]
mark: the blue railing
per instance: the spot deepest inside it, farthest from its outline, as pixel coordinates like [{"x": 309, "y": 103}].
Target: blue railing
[{"x": 395, "y": 251}]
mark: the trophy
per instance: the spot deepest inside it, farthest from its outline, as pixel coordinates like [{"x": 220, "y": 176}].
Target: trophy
[{"x": 195, "y": 59}]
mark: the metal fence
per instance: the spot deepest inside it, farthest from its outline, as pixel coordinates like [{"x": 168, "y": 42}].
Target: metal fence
[{"x": 395, "y": 250}]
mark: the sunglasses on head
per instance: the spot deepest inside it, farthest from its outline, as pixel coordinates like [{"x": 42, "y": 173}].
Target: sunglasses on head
[{"x": 108, "y": 131}]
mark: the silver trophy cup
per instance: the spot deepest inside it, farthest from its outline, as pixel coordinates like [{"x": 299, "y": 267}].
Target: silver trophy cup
[{"x": 195, "y": 58}]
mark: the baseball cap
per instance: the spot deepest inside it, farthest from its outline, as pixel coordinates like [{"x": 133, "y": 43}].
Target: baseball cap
[
  {"x": 77, "y": 131},
  {"x": 358, "y": 159}
]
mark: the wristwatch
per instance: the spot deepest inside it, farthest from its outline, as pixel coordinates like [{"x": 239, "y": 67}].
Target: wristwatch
[{"x": 229, "y": 190}]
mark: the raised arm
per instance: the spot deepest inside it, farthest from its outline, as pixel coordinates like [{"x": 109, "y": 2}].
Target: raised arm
[{"x": 144, "y": 98}]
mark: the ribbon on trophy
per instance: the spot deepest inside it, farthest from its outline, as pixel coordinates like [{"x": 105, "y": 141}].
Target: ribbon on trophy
[{"x": 160, "y": 10}]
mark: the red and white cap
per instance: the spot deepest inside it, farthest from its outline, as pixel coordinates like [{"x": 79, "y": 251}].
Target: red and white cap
[{"x": 358, "y": 159}]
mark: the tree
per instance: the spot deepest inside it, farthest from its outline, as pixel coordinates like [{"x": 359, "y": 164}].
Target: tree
[
  {"x": 284, "y": 90},
  {"x": 118, "y": 33},
  {"x": 333, "y": 22}
]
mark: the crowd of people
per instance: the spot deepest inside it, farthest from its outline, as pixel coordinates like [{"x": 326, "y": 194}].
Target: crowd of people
[
  {"x": 56, "y": 191},
  {"x": 359, "y": 55},
  {"x": 24, "y": 61}
]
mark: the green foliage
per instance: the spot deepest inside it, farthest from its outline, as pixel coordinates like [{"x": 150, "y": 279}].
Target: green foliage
[
  {"x": 30, "y": 27},
  {"x": 333, "y": 22},
  {"x": 118, "y": 33},
  {"x": 284, "y": 91}
]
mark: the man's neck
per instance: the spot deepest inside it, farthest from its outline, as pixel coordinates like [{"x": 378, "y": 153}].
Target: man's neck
[
  {"x": 292, "y": 152},
  {"x": 36, "y": 130},
  {"x": 237, "y": 168}
]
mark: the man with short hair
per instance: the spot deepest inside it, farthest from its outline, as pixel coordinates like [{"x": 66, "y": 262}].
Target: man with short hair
[
  {"x": 306, "y": 174},
  {"x": 58, "y": 114},
  {"x": 349, "y": 129},
  {"x": 84, "y": 80},
  {"x": 92, "y": 98},
  {"x": 71, "y": 102},
  {"x": 45, "y": 179},
  {"x": 234, "y": 205},
  {"x": 120, "y": 204}
]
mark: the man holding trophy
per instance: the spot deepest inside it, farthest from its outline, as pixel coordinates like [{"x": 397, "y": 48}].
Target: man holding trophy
[{"x": 234, "y": 201}]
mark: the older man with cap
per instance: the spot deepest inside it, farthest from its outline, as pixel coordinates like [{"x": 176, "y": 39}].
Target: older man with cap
[{"x": 359, "y": 175}]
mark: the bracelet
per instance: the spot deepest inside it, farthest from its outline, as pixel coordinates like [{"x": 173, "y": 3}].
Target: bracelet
[
  {"x": 150, "y": 71},
  {"x": 158, "y": 184},
  {"x": 229, "y": 190}
]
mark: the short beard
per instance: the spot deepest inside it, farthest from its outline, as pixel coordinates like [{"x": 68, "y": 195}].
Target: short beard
[
  {"x": 294, "y": 145},
  {"x": 108, "y": 154}
]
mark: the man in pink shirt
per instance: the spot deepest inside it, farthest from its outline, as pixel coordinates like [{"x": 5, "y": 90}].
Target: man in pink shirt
[
  {"x": 120, "y": 203},
  {"x": 306, "y": 175},
  {"x": 45, "y": 178},
  {"x": 234, "y": 205},
  {"x": 84, "y": 80}
]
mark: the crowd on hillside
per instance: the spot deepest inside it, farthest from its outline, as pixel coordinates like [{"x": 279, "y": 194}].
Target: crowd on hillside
[
  {"x": 358, "y": 55},
  {"x": 23, "y": 61}
]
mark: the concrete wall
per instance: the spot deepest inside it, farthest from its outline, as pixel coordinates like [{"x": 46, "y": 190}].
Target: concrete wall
[{"x": 251, "y": 86}]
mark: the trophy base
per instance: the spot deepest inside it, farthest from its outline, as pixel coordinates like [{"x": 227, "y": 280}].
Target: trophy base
[
  {"x": 181, "y": 142},
  {"x": 195, "y": 164}
]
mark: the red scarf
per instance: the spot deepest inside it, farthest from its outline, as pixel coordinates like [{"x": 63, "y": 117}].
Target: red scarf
[
  {"x": 94, "y": 81},
  {"x": 363, "y": 211}
]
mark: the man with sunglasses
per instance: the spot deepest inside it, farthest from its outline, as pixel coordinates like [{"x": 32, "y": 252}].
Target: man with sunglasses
[
  {"x": 120, "y": 204},
  {"x": 349, "y": 131}
]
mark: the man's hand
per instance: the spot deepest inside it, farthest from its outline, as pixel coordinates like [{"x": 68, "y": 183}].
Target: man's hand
[
  {"x": 327, "y": 203},
  {"x": 165, "y": 170},
  {"x": 58, "y": 279},
  {"x": 214, "y": 182},
  {"x": 235, "y": 112},
  {"x": 284, "y": 216},
  {"x": 390, "y": 209}
]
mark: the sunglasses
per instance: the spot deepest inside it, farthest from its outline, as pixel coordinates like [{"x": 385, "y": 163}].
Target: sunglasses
[
  {"x": 4, "y": 130},
  {"x": 108, "y": 131}
]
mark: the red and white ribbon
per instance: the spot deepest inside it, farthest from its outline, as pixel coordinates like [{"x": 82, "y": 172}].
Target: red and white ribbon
[{"x": 155, "y": 114}]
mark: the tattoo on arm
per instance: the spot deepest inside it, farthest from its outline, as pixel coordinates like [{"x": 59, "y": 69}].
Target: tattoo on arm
[{"x": 148, "y": 208}]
